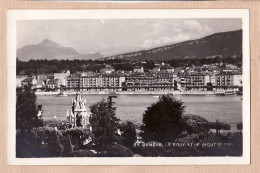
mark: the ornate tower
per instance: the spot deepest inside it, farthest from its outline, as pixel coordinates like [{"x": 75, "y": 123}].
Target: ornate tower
[{"x": 79, "y": 116}]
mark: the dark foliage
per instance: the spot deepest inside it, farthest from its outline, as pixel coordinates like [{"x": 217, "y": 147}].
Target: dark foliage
[
  {"x": 198, "y": 62},
  {"x": 82, "y": 153},
  {"x": 196, "y": 124},
  {"x": 77, "y": 137},
  {"x": 119, "y": 151},
  {"x": 26, "y": 110},
  {"x": 33, "y": 67},
  {"x": 157, "y": 151},
  {"x": 162, "y": 121},
  {"x": 48, "y": 140},
  {"x": 54, "y": 66},
  {"x": 104, "y": 123},
  {"x": 239, "y": 126},
  {"x": 26, "y": 120},
  {"x": 128, "y": 136},
  {"x": 59, "y": 124}
]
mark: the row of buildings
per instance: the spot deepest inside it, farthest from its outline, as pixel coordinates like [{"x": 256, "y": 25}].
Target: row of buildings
[{"x": 161, "y": 77}]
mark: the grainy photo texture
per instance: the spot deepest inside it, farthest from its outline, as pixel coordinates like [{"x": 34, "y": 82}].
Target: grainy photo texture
[{"x": 130, "y": 87}]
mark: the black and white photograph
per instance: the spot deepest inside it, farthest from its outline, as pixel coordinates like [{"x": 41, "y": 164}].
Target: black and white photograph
[{"x": 128, "y": 87}]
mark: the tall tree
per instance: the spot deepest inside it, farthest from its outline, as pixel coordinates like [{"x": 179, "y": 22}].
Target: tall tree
[
  {"x": 104, "y": 123},
  {"x": 162, "y": 121},
  {"x": 26, "y": 120},
  {"x": 26, "y": 110}
]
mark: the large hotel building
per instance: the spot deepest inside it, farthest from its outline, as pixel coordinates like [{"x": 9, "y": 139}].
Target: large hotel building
[
  {"x": 157, "y": 81},
  {"x": 125, "y": 82}
]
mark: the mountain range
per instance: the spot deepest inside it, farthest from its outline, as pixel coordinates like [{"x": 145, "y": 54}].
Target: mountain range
[
  {"x": 48, "y": 49},
  {"x": 225, "y": 44}
]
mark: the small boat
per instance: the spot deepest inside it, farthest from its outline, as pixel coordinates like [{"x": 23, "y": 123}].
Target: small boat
[
  {"x": 230, "y": 93},
  {"x": 61, "y": 94},
  {"x": 220, "y": 93},
  {"x": 113, "y": 93},
  {"x": 224, "y": 93},
  {"x": 156, "y": 96}
]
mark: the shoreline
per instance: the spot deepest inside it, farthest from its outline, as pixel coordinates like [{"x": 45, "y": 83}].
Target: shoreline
[{"x": 129, "y": 93}]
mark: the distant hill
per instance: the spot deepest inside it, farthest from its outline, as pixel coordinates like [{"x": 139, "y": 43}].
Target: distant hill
[
  {"x": 223, "y": 44},
  {"x": 48, "y": 49}
]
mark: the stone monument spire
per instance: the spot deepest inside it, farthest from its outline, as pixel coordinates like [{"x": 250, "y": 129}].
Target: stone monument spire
[{"x": 80, "y": 114}]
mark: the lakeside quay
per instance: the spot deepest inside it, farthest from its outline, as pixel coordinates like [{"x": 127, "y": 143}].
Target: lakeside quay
[{"x": 53, "y": 93}]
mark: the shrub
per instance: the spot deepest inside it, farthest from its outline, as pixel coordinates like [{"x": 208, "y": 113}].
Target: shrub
[
  {"x": 220, "y": 126},
  {"x": 156, "y": 151},
  {"x": 59, "y": 124},
  {"x": 49, "y": 138},
  {"x": 196, "y": 124},
  {"x": 119, "y": 151},
  {"x": 82, "y": 153},
  {"x": 77, "y": 136},
  {"x": 128, "y": 136}
]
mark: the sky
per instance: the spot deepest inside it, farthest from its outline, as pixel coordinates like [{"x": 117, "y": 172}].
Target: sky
[{"x": 112, "y": 36}]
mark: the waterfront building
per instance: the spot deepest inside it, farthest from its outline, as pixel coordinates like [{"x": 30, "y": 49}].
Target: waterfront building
[
  {"x": 122, "y": 81},
  {"x": 19, "y": 80},
  {"x": 224, "y": 79},
  {"x": 102, "y": 81},
  {"x": 217, "y": 81},
  {"x": 62, "y": 77},
  {"x": 193, "y": 81},
  {"x": 163, "y": 67},
  {"x": 41, "y": 81},
  {"x": 238, "y": 79},
  {"x": 49, "y": 77},
  {"x": 150, "y": 81},
  {"x": 229, "y": 81},
  {"x": 138, "y": 69},
  {"x": 53, "y": 83},
  {"x": 107, "y": 70},
  {"x": 156, "y": 69},
  {"x": 210, "y": 78},
  {"x": 73, "y": 82},
  {"x": 29, "y": 81}
]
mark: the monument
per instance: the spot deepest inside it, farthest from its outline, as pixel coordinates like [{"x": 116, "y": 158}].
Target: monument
[{"x": 79, "y": 114}]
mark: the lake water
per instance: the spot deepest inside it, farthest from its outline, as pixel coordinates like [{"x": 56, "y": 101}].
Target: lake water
[{"x": 131, "y": 107}]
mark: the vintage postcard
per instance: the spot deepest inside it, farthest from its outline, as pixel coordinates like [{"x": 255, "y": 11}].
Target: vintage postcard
[{"x": 128, "y": 87}]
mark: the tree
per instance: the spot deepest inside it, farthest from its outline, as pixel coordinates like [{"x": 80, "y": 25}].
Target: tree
[
  {"x": 162, "y": 121},
  {"x": 52, "y": 139},
  {"x": 26, "y": 120},
  {"x": 77, "y": 136},
  {"x": 26, "y": 111},
  {"x": 104, "y": 123},
  {"x": 128, "y": 136}
]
